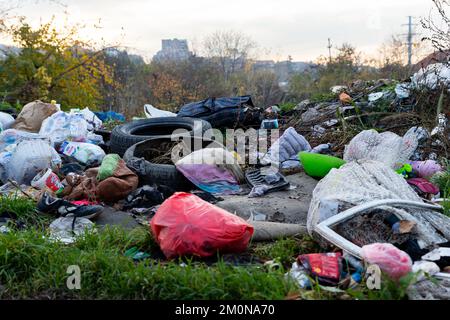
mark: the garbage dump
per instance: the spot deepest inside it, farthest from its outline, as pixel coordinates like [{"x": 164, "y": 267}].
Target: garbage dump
[{"x": 366, "y": 197}]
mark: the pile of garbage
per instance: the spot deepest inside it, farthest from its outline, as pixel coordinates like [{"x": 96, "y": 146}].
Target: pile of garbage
[{"x": 377, "y": 200}]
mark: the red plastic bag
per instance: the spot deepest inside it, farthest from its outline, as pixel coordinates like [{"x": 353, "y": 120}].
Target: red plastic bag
[{"x": 187, "y": 225}]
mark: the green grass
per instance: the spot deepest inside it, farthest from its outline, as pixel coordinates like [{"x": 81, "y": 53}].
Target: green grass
[
  {"x": 24, "y": 209},
  {"x": 287, "y": 106},
  {"x": 323, "y": 97},
  {"x": 286, "y": 250},
  {"x": 33, "y": 267},
  {"x": 442, "y": 181}
]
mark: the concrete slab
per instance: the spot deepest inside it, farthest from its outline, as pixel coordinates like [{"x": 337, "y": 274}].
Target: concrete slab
[{"x": 290, "y": 206}]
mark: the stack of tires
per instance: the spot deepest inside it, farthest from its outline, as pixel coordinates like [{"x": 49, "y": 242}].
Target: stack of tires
[
  {"x": 128, "y": 134},
  {"x": 131, "y": 140}
]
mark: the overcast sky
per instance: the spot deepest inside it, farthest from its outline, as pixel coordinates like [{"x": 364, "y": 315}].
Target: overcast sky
[{"x": 299, "y": 28}]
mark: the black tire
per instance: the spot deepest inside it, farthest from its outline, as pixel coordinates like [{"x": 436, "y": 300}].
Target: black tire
[
  {"x": 160, "y": 174},
  {"x": 128, "y": 134}
]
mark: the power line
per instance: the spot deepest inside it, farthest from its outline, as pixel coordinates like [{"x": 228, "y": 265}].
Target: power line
[
  {"x": 329, "y": 49},
  {"x": 409, "y": 38}
]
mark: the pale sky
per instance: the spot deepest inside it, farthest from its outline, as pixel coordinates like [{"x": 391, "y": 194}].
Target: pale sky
[{"x": 299, "y": 28}]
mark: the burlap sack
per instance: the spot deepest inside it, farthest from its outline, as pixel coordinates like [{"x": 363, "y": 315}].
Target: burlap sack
[{"x": 33, "y": 113}]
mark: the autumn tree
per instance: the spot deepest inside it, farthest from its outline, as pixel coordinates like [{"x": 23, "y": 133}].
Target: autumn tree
[{"x": 53, "y": 64}]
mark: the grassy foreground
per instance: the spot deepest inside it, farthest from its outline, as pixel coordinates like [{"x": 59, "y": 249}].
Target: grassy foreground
[{"x": 32, "y": 266}]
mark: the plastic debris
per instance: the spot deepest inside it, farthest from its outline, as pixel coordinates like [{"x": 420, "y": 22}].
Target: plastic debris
[
  {"x": 29, "y": 158},
  {"x": 152, "y": 112},
  {"x": 386, "y": 147},
  {"x": 187, "y": 225},
  {"x": 85, "y": 153},
  {"x": 424, "y": 269},
  {"x": 61, "y": 229},
  {"x": 396, "y": 263}
]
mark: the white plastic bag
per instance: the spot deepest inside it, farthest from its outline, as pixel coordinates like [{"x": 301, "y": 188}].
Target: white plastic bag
[
  {"x": 85, "y": 153},
  {"x": 29, "y": 158},
  {"x": 93, "y": 122},
  {"x": 6, "y": 120},
  {"x": 62, "y": 126},
  {"x": 386, "y": 147},
  {"x": 431, "y": 76},
  {"x": 152, "y": 112},
  {"x": 12, "y": 137}
]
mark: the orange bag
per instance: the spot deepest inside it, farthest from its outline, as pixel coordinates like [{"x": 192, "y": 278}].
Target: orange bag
[
  {"x": 345, "y": 98},
  {"x": 187, "y": 225}
]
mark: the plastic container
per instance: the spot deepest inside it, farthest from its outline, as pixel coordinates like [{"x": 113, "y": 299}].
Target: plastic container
[
  {"x": 269, "y": 124},
  {"x": 318, "y": 165},
  {"x": 47, "y": 179}
]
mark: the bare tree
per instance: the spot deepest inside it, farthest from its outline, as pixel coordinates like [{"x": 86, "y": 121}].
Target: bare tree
[
  {"x": 230, "y": 49},
  {"x": 438, "y": 26}
]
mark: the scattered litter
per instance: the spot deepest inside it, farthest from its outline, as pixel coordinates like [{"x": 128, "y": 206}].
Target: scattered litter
[
  {"x": 402, "y": 90},
  {"x": 326, "y": 267},
  {"x": 29, "y": 158},
  {"x": 263, "y": 183},
  {"x": 152, "y": 112},
  {"x": 319, "y": 165},
  {"x": 47, "y": 179},
  {"x": 391, "y": 260},
  {"x": 425, "y": 169},
  {"x": 432, "y": 76},
  {"x": 425, "y": 269},
  {"x": 345, "y": 98},
  {"x": 85, "y": 153},
  {"x": 214, "y": 170},
  {"x": 33, "y": 115},
  {"x": 143, "y": 197},
  {"x": 110, "y": 116},
  {"x": 299, "y": 274},
  {"x": 62, "y": 126},
  {"x": 135, "y": 254},
  {"x": 386, "y": 147},
  {"x": 286, "y": 148},
  {"x": 61, "y": 229},
  {"x": 375, "y": 96},
  {"x": 6, "y": 120}
]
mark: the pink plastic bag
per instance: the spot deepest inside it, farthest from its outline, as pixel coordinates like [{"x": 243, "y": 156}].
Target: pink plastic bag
[
  {"x": 395, "y": 262},
  {"x": 425, "y": 169},
  {"x": 187, "y": 225}
]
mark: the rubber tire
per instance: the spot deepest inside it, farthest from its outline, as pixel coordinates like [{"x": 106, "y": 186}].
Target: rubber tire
[
  {"x": 160, "y": 174},
  {"x": 124, "y": 136}
]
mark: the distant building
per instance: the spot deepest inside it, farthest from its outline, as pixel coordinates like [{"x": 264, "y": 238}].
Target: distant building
[
  {"x": 173, "y": 49},
  {"x": 6, "y": 50},
  {"x": 283, "y": 69}
]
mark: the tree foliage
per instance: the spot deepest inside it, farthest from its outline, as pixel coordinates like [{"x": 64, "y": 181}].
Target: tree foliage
[{"x": 53, "y": 65}]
